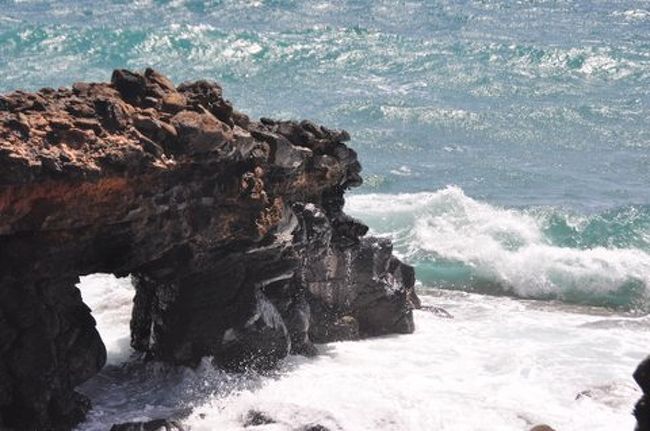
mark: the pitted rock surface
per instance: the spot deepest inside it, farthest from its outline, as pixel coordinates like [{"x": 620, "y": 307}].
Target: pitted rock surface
[{"x": 233, "y": 231}]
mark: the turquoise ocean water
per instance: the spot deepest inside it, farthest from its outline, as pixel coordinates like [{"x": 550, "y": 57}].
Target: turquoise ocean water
[{"x": 505, "y": 145}]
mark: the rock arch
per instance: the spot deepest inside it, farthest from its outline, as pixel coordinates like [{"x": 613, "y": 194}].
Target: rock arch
[{"x": 233, "y": 229}]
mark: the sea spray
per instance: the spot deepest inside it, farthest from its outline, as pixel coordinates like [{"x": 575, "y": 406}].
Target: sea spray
[
  {"x": 500, "y": 363},
  {"x": 462, "y": 243},
  {"x": 110, "y": 300}
]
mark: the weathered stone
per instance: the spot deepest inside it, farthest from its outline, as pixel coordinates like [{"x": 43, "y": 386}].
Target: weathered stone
[
  {"x": 159, "y": 79},
  {"x": 261, "y": 342},
  {"x": 208, "y": 95},
  {"x": 201, "y": 132},
  {"x": 233, "y": 230},
  {"x": 130, "y": 85},
  {"x": 343, "y": 329},
  {"x": 174, "y": 102}
]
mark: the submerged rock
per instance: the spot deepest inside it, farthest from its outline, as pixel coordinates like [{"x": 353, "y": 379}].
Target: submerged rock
[
  {"x": 291, "y": 418},
  {"x": 233, "y": 230},
  {"x": 154, "y": 425},
  {"x": 255, "y": 418}
]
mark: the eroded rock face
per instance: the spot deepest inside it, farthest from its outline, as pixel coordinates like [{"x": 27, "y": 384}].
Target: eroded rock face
[{"x": 233, "y": 230}]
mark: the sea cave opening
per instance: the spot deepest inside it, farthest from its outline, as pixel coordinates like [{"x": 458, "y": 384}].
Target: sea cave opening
[{"x": 110, "y": 300}]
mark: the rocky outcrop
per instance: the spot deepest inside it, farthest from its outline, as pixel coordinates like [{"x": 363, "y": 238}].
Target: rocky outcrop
[
  {"x": 232, "y": 229},
  {"x": 642, "y": 407}
]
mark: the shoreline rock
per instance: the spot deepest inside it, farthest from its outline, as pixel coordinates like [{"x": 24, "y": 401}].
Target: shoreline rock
[
  {"x": 642, "y": 408},
  {"x": 233, "y": 230}
]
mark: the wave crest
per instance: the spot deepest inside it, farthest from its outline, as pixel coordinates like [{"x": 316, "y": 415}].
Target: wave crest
[{"x": 459, "y": 242}]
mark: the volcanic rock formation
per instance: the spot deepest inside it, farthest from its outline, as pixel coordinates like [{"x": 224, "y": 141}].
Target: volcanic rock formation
[{"x": 233, "y": 231}]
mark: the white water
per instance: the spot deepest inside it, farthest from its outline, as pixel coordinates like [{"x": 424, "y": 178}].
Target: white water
[
  {"x": 506, "y": 246},
  {"x": 499, "y": 364},
  {"x": 111, "y": 300}
]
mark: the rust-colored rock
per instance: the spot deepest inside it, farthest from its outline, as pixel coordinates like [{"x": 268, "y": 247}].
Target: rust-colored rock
[
  {"x": 201, "y": 132},
  {"x": 233, "y": 230}
]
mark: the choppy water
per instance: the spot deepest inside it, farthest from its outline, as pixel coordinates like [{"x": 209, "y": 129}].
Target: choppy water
[
  {"x": 457, "y": 242},
  {"x": 499, "y": 364},
  {"x": 506, "y": 150},
  {"x": 520, "y": 103},
  {"x": 540, "y": 106}
]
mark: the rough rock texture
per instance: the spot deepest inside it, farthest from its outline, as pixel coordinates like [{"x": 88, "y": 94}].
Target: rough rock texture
[
  {"x": 233, "y": 230},
  {"x": 642, "y": 408}
]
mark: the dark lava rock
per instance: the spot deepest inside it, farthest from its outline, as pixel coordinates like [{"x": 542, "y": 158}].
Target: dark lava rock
[
  {"x": 261, "y": 342},
  {"x": 642, "y": 375},
  {"x": 201, "y": 132},
  {"x": 233, "y": 231},
  {"x": 642, "y": 407},
  {"x": 154, "y": 425},
  {"x": 255, "y": 418},
  {"x": 313, "y": 427},
  {"x": 289, "y": 417}
]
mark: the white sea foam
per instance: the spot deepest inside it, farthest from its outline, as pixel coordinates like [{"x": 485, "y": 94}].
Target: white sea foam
[
  {"x": 110, "y": 300},
  {"x": 633, "y": 14},
  {"x": 432, "y": 115},
  {"x": 402, "y": 171},
  {"x": 499, "y": 364},
  {"x": 501, "y": 245}
]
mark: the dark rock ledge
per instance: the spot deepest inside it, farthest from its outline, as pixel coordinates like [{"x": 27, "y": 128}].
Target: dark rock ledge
[{"x": 233, "y": 230}]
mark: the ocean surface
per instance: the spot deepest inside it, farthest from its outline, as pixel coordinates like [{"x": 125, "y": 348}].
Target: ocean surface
[{"x": 506, "y": 151}]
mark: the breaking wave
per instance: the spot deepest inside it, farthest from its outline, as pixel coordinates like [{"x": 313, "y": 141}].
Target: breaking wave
[{"x": 458, "y": 242}]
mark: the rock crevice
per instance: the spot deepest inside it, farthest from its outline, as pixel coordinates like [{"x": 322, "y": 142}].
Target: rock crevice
[{"x": 232, "y": 229}]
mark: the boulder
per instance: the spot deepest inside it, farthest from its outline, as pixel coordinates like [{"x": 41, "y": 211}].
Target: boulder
[{"x": 200, "y": 132}]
